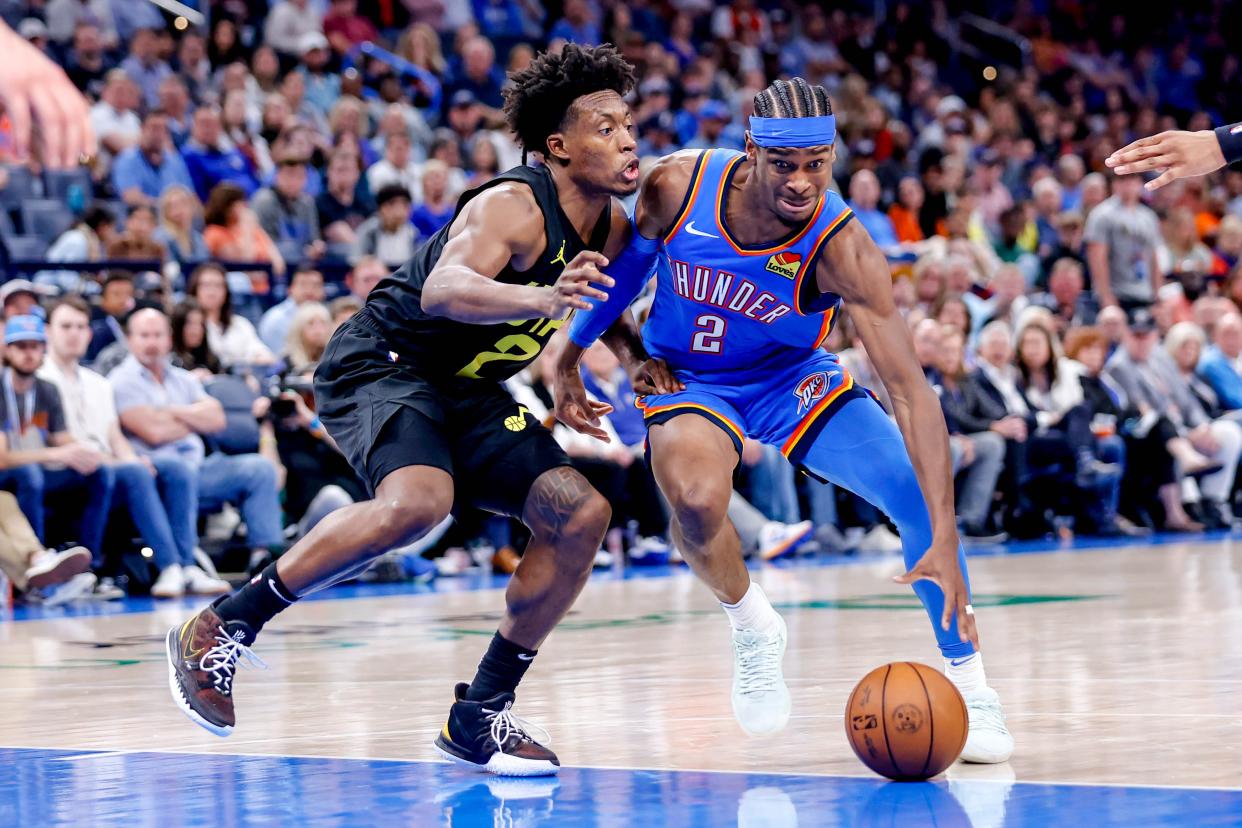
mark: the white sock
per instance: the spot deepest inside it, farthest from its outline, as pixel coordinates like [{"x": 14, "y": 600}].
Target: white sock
[
  {"x": 753, "y": 612},
  {"x": 967, "y": 674}
]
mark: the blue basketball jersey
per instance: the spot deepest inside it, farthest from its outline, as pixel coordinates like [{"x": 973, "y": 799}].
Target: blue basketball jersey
[{"x": 725, "y": 310}]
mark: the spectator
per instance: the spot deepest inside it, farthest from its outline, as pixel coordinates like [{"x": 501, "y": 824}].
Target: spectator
[
  {"x": 231, "y": 336},
  {"x": 233, "y": 234},
  {"x": 904, "y": 213},
  {"x": 1181, "y": 252},
  {"x": 224, "y": 46},
  {"x": 864, "y": 201},
  {"x": 144, "y": 66},
  {"x": 307, "y": 338},
  {"x": 1221, "y": 365},
  {"x": 158, "y": 492},
  {"x": 64, "y": 17},
  {"x": 347, "y": 120},
  {"x": 137, "y": 242},
  {"x": 346, "y": 28},
  {"x": 176, "y": 104},
  {"x": 579, "y": 25},
  {"x": 1151, "y": 381},
  {"x": 1069, "y": 245},
  {"x": 85, "y": 241},
  {"x": 50, "y": 575},
  {"x": 345, "y": 202},
  {"x": 1010, "y": 247},
  {"x": 438, "y": 204},
  {"x": 193, "y": 66},
  {"x": 305, "y": 286},
  {"x": 211, "y": 160},
  {"x": 479, "y": 73},
  {"x": 287, "y": 23},
  {"x": 235, "y": 121},
  {"x": 366, "y": 274},
  {"x": 396, "y": 168},
  {"x": 993, "y": 198},
  {"x": 977, "y": 458},
  {"x": 1121, "y": 239},
  {"x": 484, "y": 162},
  {"x": 189, "y": 336},
  {"x": 342, "y": 308},
  {"x": 116, "y": 300},
  {"x": 388, "y": 235},
  {"x": 1094, "y": 192},
  {"x": 1047, "y": 195},
  {"x": 165, "y": 411},
  {"x": 180, "y": 210},
  {"x": 286, "y": 213},
  {"x": 1071, "y": 306},
  {"x": 86, "y": 65},
  {"x": 142, "y": 173},
  {"x": 134, "y": 18},
  {"x": 38, "y": 455},
  {"x": 19, "y": 297},
  {"x": 114, "y": 119},
  {"x": 323, "y": 88}
]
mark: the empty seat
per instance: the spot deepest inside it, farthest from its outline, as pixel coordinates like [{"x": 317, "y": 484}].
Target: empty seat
[
  {"x": 25, "y": 248},
  {"x": 45, "y": 218},
  {"x": 58, "y": 183},
  {"x": 22, "y": 185}
]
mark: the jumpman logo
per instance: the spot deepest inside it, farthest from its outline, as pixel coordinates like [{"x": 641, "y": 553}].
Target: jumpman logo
[{"x": 560, "y": 257}]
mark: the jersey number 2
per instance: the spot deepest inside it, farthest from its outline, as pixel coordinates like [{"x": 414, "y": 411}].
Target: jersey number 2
[{"x": 708, "y": 340}]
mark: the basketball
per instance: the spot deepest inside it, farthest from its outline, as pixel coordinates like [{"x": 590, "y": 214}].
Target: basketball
[{"x": 906, "y": 721}]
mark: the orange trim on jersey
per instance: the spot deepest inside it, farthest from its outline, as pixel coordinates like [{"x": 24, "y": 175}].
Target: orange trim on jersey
[
  {"x": 724, "y": 231},
  {"x": 737, "y": 432},
  {"x": 694, "y": 194},
  {"x": 826, "y": 328},
  {"x": 828, "y": 233},
  {"x": 810, "y": 418}
]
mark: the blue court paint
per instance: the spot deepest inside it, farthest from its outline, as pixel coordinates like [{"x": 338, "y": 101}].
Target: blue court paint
[
  {"x": 56, "y": 787},
  {"x": 472, "y": 582}
]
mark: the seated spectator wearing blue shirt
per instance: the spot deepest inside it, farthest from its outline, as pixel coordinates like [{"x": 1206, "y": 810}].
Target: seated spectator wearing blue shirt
[
  {"x": 179, "y": 210},
  {"x": 142, "y": 173},
  {"x": 116, "y": 300},
  {"x": 143, "y": 65},
  {"x": 864, "y": 201},
  {"x": 165, "y": 411},
  {"x": 713, "y": 131},
  {"x": 438, "y": 204},
  {"x": 479, "y": 73},
  {"x": 306, "y": 286},
  {"x": 577, "y": 26},
  {"x": 1221, "y": 364},
  {"x": 211, "y": 160}
]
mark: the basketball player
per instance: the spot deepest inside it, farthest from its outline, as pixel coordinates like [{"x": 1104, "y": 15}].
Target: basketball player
[
  {"x": 410, "y": 390},
  {"x": 1179, "y": 154},
  {"x": 754, "y": 257}
]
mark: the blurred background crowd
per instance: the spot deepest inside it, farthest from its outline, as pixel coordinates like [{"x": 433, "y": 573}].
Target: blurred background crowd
[{"x": 260, "y": 173}]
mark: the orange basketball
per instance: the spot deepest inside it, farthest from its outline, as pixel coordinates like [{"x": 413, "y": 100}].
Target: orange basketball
[{"x": 906, "y": 721}]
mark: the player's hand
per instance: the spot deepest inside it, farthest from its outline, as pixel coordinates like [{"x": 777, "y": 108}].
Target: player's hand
[
  {"x": 36, "y": 91},
  {"x": 1176, "y": 154},
  {"x": 575, "y": 409},
  {"x": 654, "y": 377},
  {"x": 939, "y": 565},
  {"x": 576, "y": 284}
]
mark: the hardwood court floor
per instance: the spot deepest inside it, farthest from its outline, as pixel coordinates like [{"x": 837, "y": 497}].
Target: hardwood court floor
[{"x": 1116, "y": 668}]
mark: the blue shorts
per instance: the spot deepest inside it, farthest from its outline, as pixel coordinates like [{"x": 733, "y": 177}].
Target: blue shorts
[{"x": 786, "y": 408}]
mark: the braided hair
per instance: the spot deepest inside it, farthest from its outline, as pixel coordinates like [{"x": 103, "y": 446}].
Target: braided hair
[
  {"x": 792, "y": 99},
  {"x": 540, "y": 98}
]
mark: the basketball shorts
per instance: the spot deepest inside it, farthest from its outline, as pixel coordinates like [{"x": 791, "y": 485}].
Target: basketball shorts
[
  {"x": 386, "y": 415},
  {"x": 786, "y": 407}
]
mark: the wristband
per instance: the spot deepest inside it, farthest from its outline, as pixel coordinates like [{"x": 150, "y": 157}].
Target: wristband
[{"x": 1230, "y": 138}]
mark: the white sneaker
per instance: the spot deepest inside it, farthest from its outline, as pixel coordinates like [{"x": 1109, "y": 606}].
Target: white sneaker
[
  {"x": 779, "y": 539},
  {"x": 107, "y": 590},
  {"x": 988, "y": 740},
  {"x": 198, "y": 582},
  {"x": 79, "y": 586},
  {"x": 760, "y": 697},
  {"x": 49, "y": 567},
  {"x": 880, "y": 539},
  {"x": 170, "y": 584}
]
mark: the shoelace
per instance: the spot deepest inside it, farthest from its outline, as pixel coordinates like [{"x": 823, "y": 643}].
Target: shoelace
[
  {"x": 758, "y": 665},
  {"x": 985, "y": 714},
  {"x": 222, "y": 659},
  {"x": 505, "y": 725}
]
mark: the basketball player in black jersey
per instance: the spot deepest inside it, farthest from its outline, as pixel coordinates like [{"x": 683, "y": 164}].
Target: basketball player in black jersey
[{"x": 409, "y": 389}]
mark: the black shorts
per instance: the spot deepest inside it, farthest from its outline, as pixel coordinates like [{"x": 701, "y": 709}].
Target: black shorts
[{"x": 385, "y": 415}]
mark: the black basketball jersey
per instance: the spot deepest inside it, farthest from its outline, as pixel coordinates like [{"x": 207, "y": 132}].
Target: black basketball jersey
[{"x": 447, "y": 348}]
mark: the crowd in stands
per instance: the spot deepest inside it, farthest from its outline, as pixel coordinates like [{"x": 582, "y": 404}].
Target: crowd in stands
[{"x": 263, "y": 172}]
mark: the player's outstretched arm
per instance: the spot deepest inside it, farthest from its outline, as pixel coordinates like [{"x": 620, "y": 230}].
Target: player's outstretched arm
[
  {"x": 855, "y": 269},
  {"x": 501, "y": 226},
  {"x": 1179, "y": 154}
]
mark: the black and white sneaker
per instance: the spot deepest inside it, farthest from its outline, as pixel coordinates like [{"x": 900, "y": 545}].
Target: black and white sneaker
[{"x": 486, "y": 736}]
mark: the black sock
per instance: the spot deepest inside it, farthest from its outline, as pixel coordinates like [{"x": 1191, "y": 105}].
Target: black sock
[
  {"x": 259, "y": 601},
  {"x": 501, "y": 669}
]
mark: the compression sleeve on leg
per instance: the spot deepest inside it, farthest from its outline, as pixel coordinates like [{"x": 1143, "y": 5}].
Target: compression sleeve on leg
[{"x": 631, "y": 269}]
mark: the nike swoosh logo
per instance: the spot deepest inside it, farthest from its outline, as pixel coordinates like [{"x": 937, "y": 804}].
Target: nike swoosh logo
[
  {"x": 958, "y": 662},
  {"x": 690, "y": 229},
  {"x": 525, "y": 657}
]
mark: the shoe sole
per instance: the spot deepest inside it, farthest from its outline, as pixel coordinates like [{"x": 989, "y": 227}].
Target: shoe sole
[
  {"x": 782, "y": 549},
  {"x": 540, "y": 768},
  {"x": 63, "y": 571},
  {"x": 172, "y": 655}
]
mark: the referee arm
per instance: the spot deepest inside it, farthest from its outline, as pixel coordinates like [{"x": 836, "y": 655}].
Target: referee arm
[{"x": 1179, "y": 154}]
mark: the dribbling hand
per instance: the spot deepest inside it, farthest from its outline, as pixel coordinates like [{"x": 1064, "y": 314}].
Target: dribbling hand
[
  {"x": 939, "y": 565},
  {"x": 576, "y": 285},
  {"x": 576, "y": 410}
]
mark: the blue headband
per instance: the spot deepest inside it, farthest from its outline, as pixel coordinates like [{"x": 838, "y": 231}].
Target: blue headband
[{"x": 816, "y": 131}]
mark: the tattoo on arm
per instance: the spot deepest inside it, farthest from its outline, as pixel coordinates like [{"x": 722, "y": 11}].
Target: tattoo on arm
[{"x": 556, "y": 496}]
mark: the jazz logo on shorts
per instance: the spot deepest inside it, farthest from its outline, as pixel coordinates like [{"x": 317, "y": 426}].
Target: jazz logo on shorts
[
  {"x": 811, "y": 390},
  {"x": 785, "y": 264},
  {"x": 518, "y": 421}
]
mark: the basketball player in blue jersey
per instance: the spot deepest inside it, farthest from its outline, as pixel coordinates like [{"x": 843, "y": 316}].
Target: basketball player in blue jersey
[{"x": 753, "y": 257}]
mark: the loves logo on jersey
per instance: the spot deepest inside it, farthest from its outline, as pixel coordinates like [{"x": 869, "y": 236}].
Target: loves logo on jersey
[
  {"x": 786, "y": 264},
  {"x": 811, "y": 390}
]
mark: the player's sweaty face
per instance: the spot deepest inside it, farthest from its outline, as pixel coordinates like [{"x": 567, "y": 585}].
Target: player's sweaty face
[
  {"x": 794, "y": 179},
  {"x": 601, "y": 144}
]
